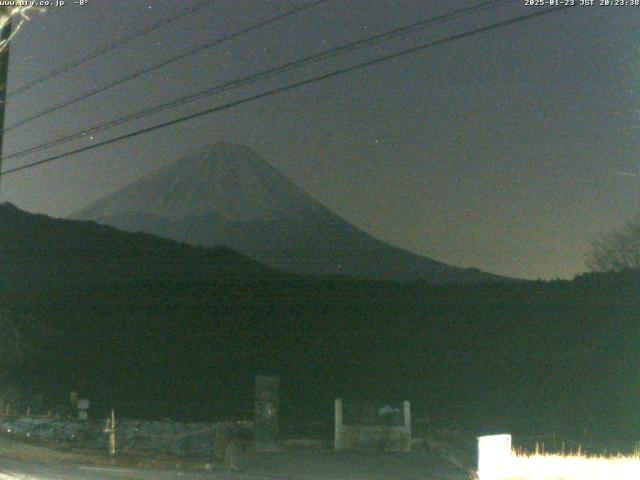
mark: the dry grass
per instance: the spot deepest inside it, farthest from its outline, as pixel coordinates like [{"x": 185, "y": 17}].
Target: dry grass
[{"x": 566, "y": 467}]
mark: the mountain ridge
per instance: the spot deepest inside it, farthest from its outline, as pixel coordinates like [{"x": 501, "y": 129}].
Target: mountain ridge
[{"x": 225, "y": 194}]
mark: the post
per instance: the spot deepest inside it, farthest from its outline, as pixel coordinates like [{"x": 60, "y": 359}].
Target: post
[
  {"x": 266, "y": 411},
  {"x": 112, "y": 434},
  {"x": 407, "y": 424},
  {"x": 338, "y": 433},
  {"x": 4, "y": 72},
  {"x": 407, "y": 415}
]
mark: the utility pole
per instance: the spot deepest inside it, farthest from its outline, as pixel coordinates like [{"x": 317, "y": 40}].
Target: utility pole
[{"x": 4, "y": 71}]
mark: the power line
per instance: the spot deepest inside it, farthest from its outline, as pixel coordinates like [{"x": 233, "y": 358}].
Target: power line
[
  {"x": 108, "y": 48},
  {"x": 250, "y": 79},
  {"x": 292, "y": 86},
  {"x": 164, "y": 63}
]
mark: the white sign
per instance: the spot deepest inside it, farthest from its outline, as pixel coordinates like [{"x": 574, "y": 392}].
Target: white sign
[{"x": 494, "y": 456}]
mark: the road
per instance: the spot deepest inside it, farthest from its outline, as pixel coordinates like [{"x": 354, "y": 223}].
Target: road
[
  {"x": 27, "y": 462},
  {"x": 11, "y": 469}
]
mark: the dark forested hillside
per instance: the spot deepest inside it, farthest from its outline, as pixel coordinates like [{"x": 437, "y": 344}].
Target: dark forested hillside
[{"x": 157, "y": 328}]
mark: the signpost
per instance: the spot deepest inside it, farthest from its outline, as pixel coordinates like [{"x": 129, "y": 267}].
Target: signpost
[{"x": 266, "y": 411}]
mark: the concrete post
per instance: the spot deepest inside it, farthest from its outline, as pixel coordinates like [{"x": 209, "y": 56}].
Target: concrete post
[
  {"x": 407, "y": 420},
  {"x": 337, "y": 442},
  {"x": 266, "y": 412},
  {"x": 112, "y": 434},
  {"x": 407, "y": 415}
]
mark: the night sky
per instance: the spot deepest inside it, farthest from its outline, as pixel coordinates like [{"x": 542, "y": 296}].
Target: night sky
[{"x": 507, "y": 151}]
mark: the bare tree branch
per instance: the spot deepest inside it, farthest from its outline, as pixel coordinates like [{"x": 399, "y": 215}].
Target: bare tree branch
[{"x": 617, "y": 251}]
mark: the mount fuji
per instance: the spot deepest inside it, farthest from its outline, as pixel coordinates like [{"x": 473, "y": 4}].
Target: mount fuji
[{"x": 226, "y": 194}]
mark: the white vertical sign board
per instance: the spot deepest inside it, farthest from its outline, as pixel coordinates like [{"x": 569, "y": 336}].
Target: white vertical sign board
[{"x": 494, "y": 456}]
